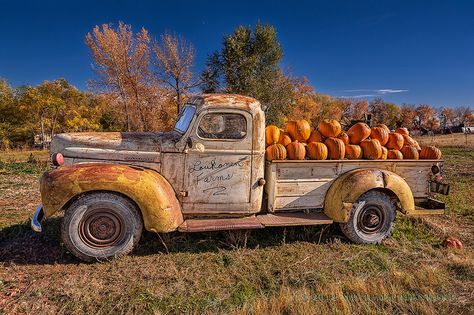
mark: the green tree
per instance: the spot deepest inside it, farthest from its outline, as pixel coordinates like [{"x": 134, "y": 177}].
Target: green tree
[{"x": 249, "y": 64}]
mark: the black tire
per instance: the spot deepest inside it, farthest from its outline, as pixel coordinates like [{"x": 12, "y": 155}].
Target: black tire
[
  {"x": 372, "y": 218},
  {"x": 101, "y": 226}
]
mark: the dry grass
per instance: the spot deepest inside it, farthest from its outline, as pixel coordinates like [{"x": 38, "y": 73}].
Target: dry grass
[
  {"x": 274, "y": 271},
  {"x": 453, "y": 140}
]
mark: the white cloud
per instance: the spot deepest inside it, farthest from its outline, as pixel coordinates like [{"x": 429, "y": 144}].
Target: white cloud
[
  {"x": 372, "y": 93},
  {"x": 387, "y": 91},
  {"x": 358, "y": 96}
]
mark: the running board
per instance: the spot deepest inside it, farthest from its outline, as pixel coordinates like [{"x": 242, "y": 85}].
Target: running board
[
  {"x": 294, "y": 219},
  {"x": 254, "y": 222}
]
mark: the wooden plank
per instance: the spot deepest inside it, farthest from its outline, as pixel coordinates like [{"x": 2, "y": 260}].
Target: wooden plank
[
  {"x": 300, "y": 172},
  {"x": 300, "y": 188},
  {"x": 300, "y": 202}
]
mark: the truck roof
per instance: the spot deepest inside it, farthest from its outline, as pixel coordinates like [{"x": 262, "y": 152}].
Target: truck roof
[{"x": 227, "y": 100}]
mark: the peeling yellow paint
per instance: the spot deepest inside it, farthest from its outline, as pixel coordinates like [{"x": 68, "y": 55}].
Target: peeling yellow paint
[
  {"x": 149, "y": 190},
  {"x": 347, "y": 188}
]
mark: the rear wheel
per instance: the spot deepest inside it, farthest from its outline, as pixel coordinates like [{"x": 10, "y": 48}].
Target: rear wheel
[
  {"x": 372, "y": 218},
  {"x": 101, "y": 226}
]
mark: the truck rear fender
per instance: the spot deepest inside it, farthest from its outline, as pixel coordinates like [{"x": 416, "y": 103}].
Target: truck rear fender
[
  {"x": 151, "y": 192},
  {"x": 348, "y": 187}
]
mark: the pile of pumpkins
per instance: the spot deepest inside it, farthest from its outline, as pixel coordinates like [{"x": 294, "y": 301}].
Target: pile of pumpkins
[{"x": 329, "y": 141}]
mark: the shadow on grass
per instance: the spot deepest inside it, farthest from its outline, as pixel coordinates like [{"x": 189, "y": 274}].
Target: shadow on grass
[
  {"x": 177, "y": 242},
  {"x": 20, "y": 245}
]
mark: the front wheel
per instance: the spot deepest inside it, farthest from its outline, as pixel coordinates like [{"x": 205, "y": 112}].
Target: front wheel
[
  {"x": 372, "y": 218},
  {"x": 101, "y": 226}
]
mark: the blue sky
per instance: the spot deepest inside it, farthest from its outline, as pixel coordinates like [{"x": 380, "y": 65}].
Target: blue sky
[{"x": 405, "y": 51}]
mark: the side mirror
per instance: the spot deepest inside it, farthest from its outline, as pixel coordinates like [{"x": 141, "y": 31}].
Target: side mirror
[{"x": 189, "y": 142}]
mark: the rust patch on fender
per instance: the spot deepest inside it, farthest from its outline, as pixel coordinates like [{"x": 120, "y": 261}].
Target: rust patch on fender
[
  {"x": 348, "y": 187},
  {"x": 154, "y": 196}
]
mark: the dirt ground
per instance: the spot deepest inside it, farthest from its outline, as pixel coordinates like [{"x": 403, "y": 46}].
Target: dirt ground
[{"x": 279, "y": 270}]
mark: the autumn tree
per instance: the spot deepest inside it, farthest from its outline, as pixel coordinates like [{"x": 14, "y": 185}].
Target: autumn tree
[
  {"x": 447, "y": 117},
  {"x": 464, "y": 116},
  {"x": 384, "y": 113},
  {"x": 173, "y": 58},
  {"x": 425, "y": 115},
  {"x": 57, "y": 106},
  {"x": 122, "y": 64},
  {"x": 353, "y": 110},
  {"x": 303, "y": 103},
  {"x": 408, "y": 115},
  {"x": 249, "y": 64},
  {"x": 9, "y": 116}
]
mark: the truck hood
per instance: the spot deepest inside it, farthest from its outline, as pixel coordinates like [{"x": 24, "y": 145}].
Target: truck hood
[{"x": 122, "y": 146}]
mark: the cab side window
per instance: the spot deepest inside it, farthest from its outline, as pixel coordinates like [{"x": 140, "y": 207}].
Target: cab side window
[{"x": 224, "y": 126}]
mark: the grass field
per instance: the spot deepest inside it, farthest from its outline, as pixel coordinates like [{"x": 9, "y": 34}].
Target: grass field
[{"x": 277, "y": 271}]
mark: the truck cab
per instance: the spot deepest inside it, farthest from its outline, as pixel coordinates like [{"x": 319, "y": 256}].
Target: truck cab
[
  {"x": 221, "y": 162},
  {"x": 209, "y": 173}
]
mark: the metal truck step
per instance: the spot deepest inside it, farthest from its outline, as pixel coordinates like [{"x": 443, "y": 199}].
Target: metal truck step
[
  {"x": 203, "y": 225},
  {"x": 258, "y": 222},
  {"x": 293, "y": 219}
]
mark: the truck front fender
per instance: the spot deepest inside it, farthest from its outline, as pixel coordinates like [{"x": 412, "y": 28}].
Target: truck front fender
[
  {"x": 348, "y": 187},
  {"x": 151, "y": 192}
]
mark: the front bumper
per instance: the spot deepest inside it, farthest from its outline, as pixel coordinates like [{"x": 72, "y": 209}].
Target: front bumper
[{"x": 36, "y": 219}]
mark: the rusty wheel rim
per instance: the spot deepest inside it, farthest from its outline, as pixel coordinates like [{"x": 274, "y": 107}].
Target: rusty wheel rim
[
  {"x": 371, "y": 219},
  {"x": 100, "y": 228}
]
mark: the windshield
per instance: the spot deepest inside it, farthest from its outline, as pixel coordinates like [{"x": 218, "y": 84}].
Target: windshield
[{"x": 185, "y": 118}]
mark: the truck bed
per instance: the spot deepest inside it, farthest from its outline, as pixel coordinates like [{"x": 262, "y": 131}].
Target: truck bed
[{"x": 292, "y": 185}]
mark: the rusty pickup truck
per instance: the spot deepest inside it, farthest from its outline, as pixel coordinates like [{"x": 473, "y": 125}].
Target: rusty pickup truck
[{"x": 209, "y": 173}]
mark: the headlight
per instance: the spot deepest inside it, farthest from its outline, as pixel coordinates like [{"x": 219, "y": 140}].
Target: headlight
[{"x": 57, "y": 159}]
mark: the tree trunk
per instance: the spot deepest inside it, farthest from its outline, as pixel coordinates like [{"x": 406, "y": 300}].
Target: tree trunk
[
  {"x": 53, "y": 123},
  {"x": 178, "y": 94},
  {"x": 42, "y": 131}
]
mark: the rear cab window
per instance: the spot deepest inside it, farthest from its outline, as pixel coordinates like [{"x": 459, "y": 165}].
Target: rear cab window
[{"x": 222, "y": 126}]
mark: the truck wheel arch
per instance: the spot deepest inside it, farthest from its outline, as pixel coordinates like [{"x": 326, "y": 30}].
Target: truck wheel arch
[
  {"x": 348, "y": 187},
  {"x": 150, "y": 191}
]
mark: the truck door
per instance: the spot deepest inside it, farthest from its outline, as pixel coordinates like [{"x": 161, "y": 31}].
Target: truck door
[{"x": 218, "y": 162}]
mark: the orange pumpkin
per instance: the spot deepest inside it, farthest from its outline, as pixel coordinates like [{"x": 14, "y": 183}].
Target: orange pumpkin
[
  {"x": 296, "y": 151},
  {"x": 329, "y": 127},
  {"x": 275, "y": 152},
  {"x": 316, "y": 136},
  {"x": 299, "y": 130},
  {"x": 371, "y": 149},
  {"x": 344, "y": 137},
  {"x": 384, "y": 127},
  {"x": 317, "y": 151},
  {"x": 336, "y": 148},
  {"x": 409, "y": 152},
  {"x": 358, "y": 133},
  {"x": 417, "y": 145},
  {"x": 402, "y": 131},
  {"x": 379, "y": 133},
  {"x": 284, "y": 139},
  {"x": 407, "y": 140},
  {"x": 353, "y": 152},
  {"x": 452, "y": 242},
  {"x": 384, "y": 153},
  {"x": 430, "y": 153},
  {"x": 272, "y": 134},
  {"x": 395, "y": 155},
  {"x": 395, "y": 141}
]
